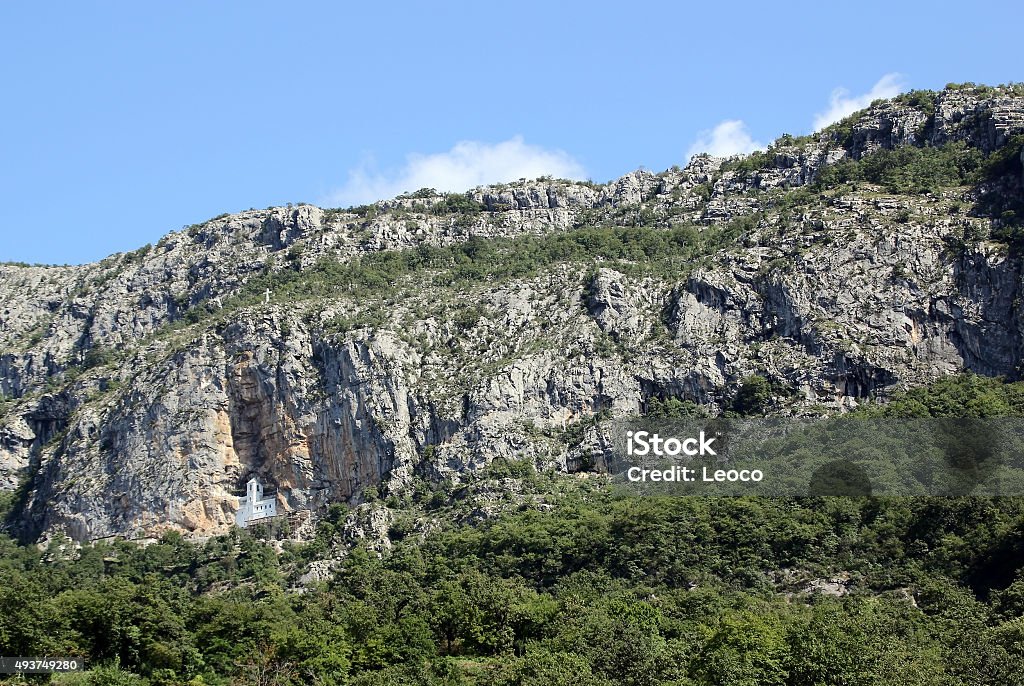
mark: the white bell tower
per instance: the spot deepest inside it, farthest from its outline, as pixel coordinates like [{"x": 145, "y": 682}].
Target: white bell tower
[{"x": 253, "y": 506}]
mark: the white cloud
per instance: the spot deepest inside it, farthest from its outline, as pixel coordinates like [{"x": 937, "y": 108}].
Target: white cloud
[
  {"x": 730, "y": 137},
  {"x": 842, "y": 104},
  {"x": 466, "y": 165}
]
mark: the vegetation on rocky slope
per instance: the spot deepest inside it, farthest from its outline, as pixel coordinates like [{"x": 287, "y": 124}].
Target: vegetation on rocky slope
[
  {"x": 575, "y": 585},
  {"x": 682, "y": 591},
  {"x": 486, "y": 336}
]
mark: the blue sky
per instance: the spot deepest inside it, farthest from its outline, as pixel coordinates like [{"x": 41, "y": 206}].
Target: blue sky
[{"x": 123, "y": 121}]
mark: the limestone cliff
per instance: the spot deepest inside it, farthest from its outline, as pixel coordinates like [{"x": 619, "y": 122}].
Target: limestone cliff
[{"x": 142, "y": 391}]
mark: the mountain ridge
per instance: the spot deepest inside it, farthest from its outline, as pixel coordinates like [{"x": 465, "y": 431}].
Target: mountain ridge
[{"x": 427, "y": 335}]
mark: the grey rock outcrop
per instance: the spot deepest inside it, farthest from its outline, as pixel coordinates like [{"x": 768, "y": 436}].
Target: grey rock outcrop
[{"x": 142, "y": 391}]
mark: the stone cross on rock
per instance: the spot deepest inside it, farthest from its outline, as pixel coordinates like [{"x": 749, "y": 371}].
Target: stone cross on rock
[{"x": 266, "y": 296}]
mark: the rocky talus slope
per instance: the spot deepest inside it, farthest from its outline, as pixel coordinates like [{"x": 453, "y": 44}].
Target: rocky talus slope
[{"x": 329, "y": 351}]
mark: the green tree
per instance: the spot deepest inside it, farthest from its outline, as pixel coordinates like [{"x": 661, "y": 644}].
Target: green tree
[{"x": 753, "y": 397}]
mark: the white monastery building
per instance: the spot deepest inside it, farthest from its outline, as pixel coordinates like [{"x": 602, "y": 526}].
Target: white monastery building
[{"x": 253, "y": 505}]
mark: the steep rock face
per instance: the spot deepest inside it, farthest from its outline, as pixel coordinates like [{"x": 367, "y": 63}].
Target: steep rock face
[
  {"x": 987, "y": 328},
  {"x": 616, "y": 310},
  {"x": 986, "y": 124},
  {"x": 175, "y": 445},
  {"x": 141, "y": 392}
]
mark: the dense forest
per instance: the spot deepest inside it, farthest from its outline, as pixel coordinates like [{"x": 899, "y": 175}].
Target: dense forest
[{"x": 592, "y": 587}]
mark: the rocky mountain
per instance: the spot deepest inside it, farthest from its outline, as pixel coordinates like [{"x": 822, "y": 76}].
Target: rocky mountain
[{"x": 420, "y": 338}]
